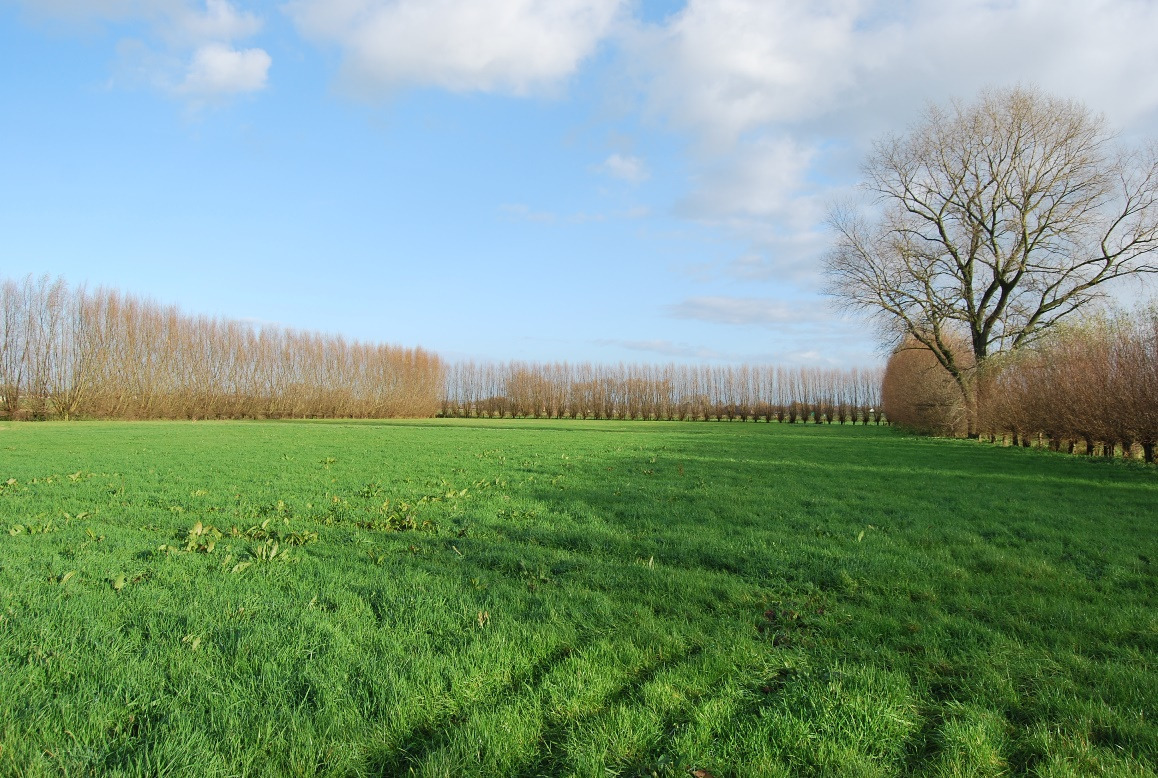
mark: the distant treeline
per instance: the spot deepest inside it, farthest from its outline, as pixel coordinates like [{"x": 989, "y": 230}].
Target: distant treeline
[
  {"x": 67, "y": 352},
  {"x": 670, "y": 392},
  {"x": 1091, "y": 388}
]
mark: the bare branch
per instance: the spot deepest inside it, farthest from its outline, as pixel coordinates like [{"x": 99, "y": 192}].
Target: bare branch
[{"x": 1001, "y": 218}]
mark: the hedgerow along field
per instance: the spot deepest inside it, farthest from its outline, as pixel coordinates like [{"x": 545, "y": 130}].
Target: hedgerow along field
[{"x": 522, "y": 598}]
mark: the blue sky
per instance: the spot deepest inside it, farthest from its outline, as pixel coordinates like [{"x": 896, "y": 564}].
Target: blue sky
[{"x": 583, "y": 180}]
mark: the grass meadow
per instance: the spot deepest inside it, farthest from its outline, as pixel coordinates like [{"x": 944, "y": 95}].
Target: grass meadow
[{"x": 525, "y": 598}]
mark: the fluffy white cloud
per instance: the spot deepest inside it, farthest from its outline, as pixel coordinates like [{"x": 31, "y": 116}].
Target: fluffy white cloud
[
  {"x": 625, "y": 168},
  {"x": 723, "y": 68},
  {"x": 782, "y": 98},
  {"x": 763, "y": 178},
  {"x": 762, "y": 191},
  {"x": 1093, "y": 50},
  {"x": 188, "y": 49},
  {"x": 510, "y": 46},
  {"x": 217, "y": 69}
]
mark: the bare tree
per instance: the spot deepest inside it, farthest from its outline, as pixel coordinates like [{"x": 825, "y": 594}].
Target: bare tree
[
  {"x": 14, "y": 302},
  {"x": 998, "y": 218}
]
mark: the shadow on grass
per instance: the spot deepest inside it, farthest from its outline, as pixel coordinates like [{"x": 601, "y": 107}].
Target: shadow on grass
[
  {"x": 428, "y": 737},
  {"x": 550, "y": 758}
]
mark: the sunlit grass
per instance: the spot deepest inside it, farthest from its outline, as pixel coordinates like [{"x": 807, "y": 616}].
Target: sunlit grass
[{"x": 569, "y": 598}]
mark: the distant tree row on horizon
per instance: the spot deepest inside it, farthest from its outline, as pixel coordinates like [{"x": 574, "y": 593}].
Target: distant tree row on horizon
[
  {"x": 662, "y": 392},
  {"x": 68, "y": 352}
]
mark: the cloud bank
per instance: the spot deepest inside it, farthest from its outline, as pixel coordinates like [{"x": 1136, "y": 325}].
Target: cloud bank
[
  {"x": 781, "y": 99},
  {"x": 516, "y": 47}
]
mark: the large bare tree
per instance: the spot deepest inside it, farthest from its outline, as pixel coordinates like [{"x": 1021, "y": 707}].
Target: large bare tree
[{"x": 994, "y": 220}]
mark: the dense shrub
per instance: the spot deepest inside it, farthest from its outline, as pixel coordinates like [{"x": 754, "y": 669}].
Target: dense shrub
[
  {"x": 918, "y": 393},
  {"x": 1091, "y": 388}
]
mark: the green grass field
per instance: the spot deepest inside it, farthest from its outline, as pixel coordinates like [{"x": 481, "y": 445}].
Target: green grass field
[{"x": 520, "y": 598}]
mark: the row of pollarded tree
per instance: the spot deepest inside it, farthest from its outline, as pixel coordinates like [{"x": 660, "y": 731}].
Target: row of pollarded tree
[
  {"x": 1087, "y": 388},
  {"x": 68, "y": 352},
  {"x": 667, "y": 392}
]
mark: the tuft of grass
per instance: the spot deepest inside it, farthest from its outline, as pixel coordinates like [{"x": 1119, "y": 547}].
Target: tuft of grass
[{"x": 526, "y": 598}]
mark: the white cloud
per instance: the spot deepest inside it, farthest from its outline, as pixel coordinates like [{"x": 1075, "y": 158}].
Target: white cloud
[
  {"x": 625, "y": 168},
  {"x": 814, "y": 356},
  {"x": 508, "y": 46},
  {"x": 826, "y": 346},
  {"x": 1093, "y": 50},
  {"x": 218, "y": 69},
  {"x": 761, "y": 192},
  {"x": 722, "y": 67},
  {"x": 188, "y": 46},
  {"x": 765, "y": 177},
  {"x": 725, "y": 68},
  {"x": 781, "y": 99}
]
